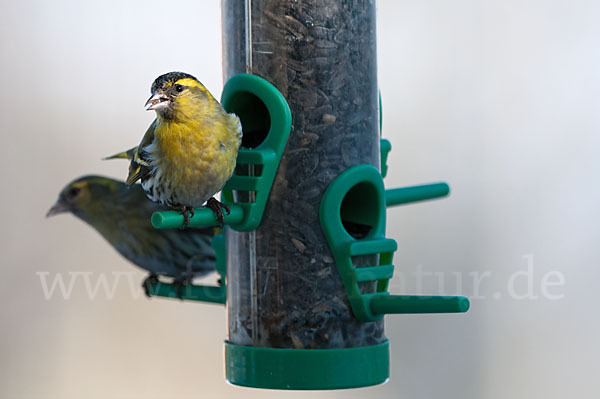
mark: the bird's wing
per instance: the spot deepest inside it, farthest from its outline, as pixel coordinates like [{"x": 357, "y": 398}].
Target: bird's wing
[
  {"x": 129, "y": 154},
  {"x": 140, "y": 166}
]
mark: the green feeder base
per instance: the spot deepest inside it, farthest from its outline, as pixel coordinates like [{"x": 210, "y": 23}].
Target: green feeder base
[{"x": 307, "y": 369}]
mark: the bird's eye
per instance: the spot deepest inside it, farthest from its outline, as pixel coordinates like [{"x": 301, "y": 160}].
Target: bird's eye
[
  {"x": 73, "y": 192},
  {"x": 179, "y": 88}
]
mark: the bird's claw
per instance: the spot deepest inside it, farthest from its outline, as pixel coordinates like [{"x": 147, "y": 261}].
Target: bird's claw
[
  {"x": 218, "y": 207},
  {"x": 148, "y": 282},
  {"x": 183, "y": 209},
  {"x": 181, "y": 284}
]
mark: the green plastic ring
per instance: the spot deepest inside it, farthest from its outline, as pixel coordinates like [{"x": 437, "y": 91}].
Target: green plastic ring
[{"x": 307, "y": 369}]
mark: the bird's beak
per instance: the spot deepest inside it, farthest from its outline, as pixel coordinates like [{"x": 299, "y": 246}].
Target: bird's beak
[
  {"x": 158, "y": 101},
  {"x": 58, "y": 207}
]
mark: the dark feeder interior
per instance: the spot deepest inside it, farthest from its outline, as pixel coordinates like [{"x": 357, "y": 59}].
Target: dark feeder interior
[
  {"x": 254, "y": 115},
  {"x": 284, "y": 290}
]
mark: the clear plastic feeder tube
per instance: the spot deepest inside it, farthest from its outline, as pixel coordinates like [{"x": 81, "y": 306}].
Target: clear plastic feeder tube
[{"x": 284, "y": 290}]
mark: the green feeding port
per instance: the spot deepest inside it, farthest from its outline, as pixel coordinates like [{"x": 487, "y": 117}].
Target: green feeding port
[
  {"x": 357, "y": 199},
  {"x": 266, "y": 122}
]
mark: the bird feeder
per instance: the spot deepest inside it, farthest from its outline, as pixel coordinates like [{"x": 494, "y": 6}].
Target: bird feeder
[{"x": 307, "y": 259}]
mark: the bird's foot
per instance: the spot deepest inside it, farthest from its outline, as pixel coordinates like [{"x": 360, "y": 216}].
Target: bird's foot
[
  {"x": 217, "y": 208},
  {"x": 148, "y": 282},
  {"x": 181, "y": 284},
  {"x": 184, "y": 209}
]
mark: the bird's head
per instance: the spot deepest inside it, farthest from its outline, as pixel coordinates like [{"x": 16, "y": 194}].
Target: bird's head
[
  {"x": 85, "y": 196},
  {"x": 177, "y": 96}
]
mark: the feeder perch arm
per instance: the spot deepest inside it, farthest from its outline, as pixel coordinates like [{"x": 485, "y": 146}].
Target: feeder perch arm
[
  {"x": 203, "y": 217},
  {"x": 403, "y": 304},
  {"x": 407, "y": 195},
  {"x": 200, "y": 293}
]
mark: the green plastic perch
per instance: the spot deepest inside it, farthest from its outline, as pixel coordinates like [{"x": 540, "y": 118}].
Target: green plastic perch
[
  {"x": 407, "y": 195},
  {"x": 403, "y": 304},
  {"x": 203, "y": 217},
  {"x": 190, "y": 292}
]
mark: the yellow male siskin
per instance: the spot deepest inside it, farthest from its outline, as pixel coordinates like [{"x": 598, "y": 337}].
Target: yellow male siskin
[
  {"x": 190, "y": 149},
  {"x": 121, "y": 214}
]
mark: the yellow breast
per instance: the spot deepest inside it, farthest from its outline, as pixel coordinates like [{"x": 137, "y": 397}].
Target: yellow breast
[{"x": 197, "y": 156}]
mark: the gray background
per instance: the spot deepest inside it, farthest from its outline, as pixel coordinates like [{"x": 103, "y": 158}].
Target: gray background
[{"x": 498, "y": 98}]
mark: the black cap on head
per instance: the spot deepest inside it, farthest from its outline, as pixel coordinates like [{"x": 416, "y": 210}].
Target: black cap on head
[{"x": 169, "y": 77}]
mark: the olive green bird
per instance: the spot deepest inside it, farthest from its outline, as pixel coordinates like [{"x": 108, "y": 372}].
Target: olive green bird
[
  {"x": 189, "y": 151},
  {"x": 121, "y": 214}
]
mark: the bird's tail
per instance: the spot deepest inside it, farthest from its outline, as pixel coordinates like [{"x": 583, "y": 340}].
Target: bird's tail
[{"x": 129, "y": 154}]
